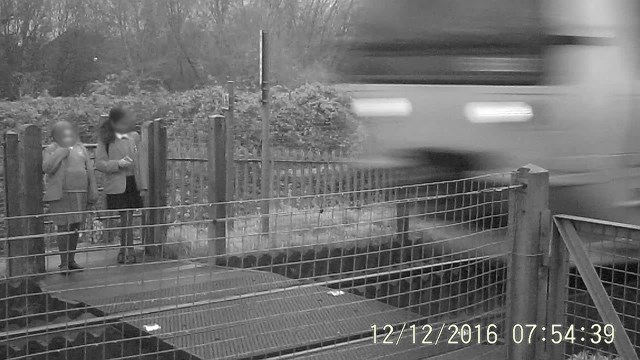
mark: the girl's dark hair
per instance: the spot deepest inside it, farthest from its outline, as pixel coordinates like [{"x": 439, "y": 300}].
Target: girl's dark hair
[{"x": 106, "y": 134}]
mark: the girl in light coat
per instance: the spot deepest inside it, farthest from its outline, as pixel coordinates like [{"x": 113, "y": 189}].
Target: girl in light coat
[{"x": 70, "y": 187}]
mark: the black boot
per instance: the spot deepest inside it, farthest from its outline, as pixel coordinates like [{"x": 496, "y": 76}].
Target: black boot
[
  {"x": 75, "y": 266},
  {"x": 63, "y": 248},
  {"x": 130, "y": 256},
  {"x": 121, "y": 256},
  {"x": 126, "y": 254},
  {"x": 73, "y": 245}
]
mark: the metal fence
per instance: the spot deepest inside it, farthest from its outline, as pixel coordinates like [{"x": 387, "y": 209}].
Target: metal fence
[
  {"x": 296, "y": 173},
  {"x": 600, "y": 285},
  {"x": 340, "y": 266},
  {"x": 330, "y": 280}
]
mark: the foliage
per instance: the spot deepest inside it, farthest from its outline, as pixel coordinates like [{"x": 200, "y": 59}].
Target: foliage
[
  {"x": 125, "y": 83},
  {"x": 309, "y": 117},
  {"x": 66, "y": 44}
]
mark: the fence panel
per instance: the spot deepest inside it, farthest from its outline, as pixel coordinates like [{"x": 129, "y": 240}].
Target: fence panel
[
  {"x": 602, "y": 287},
  {"x": 334, "y": 258},
  {"x": 296, "y": 174},
  {"x": 602, "y": 296}
]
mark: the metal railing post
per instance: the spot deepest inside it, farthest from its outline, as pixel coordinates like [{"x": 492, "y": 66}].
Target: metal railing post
[
  {"x": 557, "y": 280},
  {"x": 154, "y": 138},
  {"x": 217, "y": 187},
  {"x": 267, "y": 171},
  {"x": 230, "y": 116},
  {"x": 530, "y": 204}
]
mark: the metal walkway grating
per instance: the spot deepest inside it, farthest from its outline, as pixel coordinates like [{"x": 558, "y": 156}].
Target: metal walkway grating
[
  {"x": 273, "y": 323},
  {"x": 211, "y": 312}
]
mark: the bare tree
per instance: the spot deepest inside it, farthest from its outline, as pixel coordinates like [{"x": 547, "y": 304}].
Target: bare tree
[{"x": 180, "y": 41}]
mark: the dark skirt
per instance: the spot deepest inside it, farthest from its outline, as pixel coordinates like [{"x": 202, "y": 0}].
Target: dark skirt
[
  {"x": 71, "y": 202},
  {"x": 130, "y": 199}
]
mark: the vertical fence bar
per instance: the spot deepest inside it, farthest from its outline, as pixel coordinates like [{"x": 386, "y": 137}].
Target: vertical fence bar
[
  {"x": 217, "y": 188},
  {"x": 160, "y": 183},
  {"x": 154, "y": 136},
  {"x": 147, "y": 142},
  {"x": 230, "y": 116},
  {"x": 267, "y": 177},
  {"x": 558, "y": 275},
  {"x": 595, "y": 288},
  {"x": 31, "y": 194},
  {"x": 12, "y": 200},
  {"x": 160, "y": 193},
  {"x": 530, "y": 204},
  {"x": 23, "y": 186},
  {"x": 402, "y": 214},
  {"x": 543, "y": 278}
]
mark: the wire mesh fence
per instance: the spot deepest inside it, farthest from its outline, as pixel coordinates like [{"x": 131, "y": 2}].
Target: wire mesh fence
[
  {"x": 332, "y": 275},
  {"x": 614, "y": 253},
  {"x": 297, "y": 173},
  {"x": 342, "y": 262}
]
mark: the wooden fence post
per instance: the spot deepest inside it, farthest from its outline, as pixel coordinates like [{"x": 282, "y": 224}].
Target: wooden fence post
[
  {"x": 217, "y": 187},
  {"x": 154, "y": 138},
  {"x": 531, "y": 203},
  {"x": 229, "y": 115},
  {"x": 24, "y": 188},
  {"x": 267, "y": 172}
]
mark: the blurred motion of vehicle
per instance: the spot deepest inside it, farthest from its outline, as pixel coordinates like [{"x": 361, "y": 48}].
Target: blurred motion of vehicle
[{"x": 449, "y": 88}]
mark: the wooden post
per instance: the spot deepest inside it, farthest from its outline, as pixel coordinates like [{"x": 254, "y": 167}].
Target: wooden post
[
  {"x": 12, "y": 201},
  {"x": 23, "y": 186},
  {"x": 147, "y": 142},
  {"x": 267, "y": 178},
  {"x": 229, "y": 115},
  {"x": 154, "y": 138},
  {"x": 217, "y": 187},
  {"x": 531, "y": 203},
  {"x": 160, "y": 183}
]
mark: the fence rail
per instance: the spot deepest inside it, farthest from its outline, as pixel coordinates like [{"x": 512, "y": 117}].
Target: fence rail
[
  {"x": 330, "y": 260},
  {"x": 479, "y": 258},
  {"x": 600, "y": 285},
  {"x": 295, "y": 174}
]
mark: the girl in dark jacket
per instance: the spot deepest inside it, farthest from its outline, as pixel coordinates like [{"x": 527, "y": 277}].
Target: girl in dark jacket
[{"x": 123, "y": 158}]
